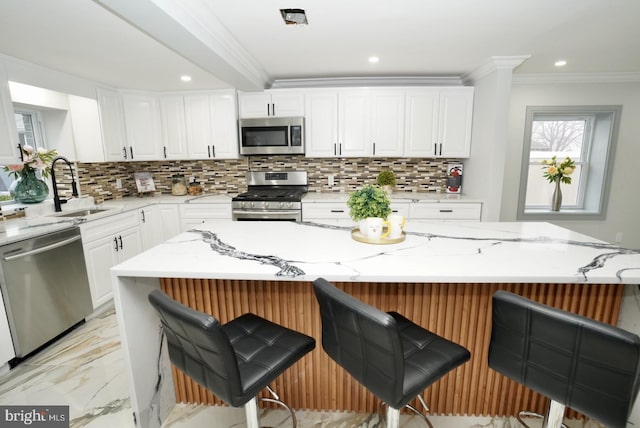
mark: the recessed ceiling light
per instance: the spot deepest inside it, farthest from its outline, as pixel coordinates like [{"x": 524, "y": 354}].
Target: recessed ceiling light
[
  {"x": 185, "y": 78},
  {"x": 560, "y": 63},
  {"x": 294, "y": 16},
  {"x": 374, "y": 59}
]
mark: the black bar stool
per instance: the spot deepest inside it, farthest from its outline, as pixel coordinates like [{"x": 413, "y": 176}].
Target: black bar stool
[
  {"x": 391, "y": 356},
  {"x": 574, "y": 361},
  {"x": 234, "y": 361}
]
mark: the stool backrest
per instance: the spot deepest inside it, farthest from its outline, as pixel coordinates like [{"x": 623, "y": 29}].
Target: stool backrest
[
  {"x": 198, "y": 346},
  {"x": 361, "y": 339},
  {"x": 587, "y": 365}
]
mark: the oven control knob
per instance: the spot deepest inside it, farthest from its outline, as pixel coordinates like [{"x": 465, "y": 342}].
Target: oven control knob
[
  {"x": 281, "y": 204},
  {"x": 265, "y": 204},
  {"x": 252, "y": 204},
  {"x": 289, "y": 204}
]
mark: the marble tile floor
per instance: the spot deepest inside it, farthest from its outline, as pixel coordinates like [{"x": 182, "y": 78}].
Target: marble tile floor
[{"x": 85, "y": 371}]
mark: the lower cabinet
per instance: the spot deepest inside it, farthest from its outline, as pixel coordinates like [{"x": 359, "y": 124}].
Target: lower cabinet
[
  {"x": 106, "y": 243},
  {"x": 158, "y": 223},
  {"x": 193, "y": 215}
]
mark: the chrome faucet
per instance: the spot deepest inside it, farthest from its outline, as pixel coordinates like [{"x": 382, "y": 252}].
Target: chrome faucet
[{"x": 74, "y": 189}]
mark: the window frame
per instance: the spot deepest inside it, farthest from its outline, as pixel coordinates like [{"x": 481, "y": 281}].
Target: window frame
[{"x": 589, "y": 208}]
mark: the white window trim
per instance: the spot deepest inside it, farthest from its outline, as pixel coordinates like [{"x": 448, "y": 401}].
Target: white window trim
[{"x": 570, "y": 213}]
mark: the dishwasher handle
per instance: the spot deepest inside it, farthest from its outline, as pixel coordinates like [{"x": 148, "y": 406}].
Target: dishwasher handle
[{"x": 43, "y": 249}]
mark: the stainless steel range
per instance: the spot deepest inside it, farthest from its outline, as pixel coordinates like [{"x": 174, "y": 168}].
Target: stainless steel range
[{"x": 271, "y": 196}]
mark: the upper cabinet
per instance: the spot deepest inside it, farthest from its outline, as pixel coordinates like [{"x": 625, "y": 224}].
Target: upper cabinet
[
  {"x": 9, "y": 151},
  {"x": 321, "y": 124},
  {"x": 438, "y": 122},
  {"x": 174, "y": 128},
  {"x": 142, "y": 126},
  {"x": 112, "y": 125},
  {"x": 275, "y": 103},
  {"x": 212, "y": 130}
]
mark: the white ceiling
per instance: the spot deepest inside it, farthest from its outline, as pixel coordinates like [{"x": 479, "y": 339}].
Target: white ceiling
[{"x": 245, "y": 44}]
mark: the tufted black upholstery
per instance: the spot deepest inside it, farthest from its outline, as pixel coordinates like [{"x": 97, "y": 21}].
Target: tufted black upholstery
[
  {"x": 391, "y": 356},
  {"x": 584, "y": 364},
  {"x": 235, "y": 361}
]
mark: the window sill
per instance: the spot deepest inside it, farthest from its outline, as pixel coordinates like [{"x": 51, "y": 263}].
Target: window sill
[{"x": 563, "y": 214}]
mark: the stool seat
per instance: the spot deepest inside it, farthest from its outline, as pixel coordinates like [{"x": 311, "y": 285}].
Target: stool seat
[
  {"x": 388, "y": 354},
  {"x": 234, "y": 361},
  {"x": 574, "y": 361}
]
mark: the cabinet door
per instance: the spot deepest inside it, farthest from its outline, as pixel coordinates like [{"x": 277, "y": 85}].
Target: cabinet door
[
  {"x": 198, "y": 120},
  {"x": 112, "y": 125},
  {"x": 129, "y": 243},
  {"x": 224, "y": 126},
  {"x": 158, "y": 223},
  {"x": 142, "y": 127},
  {"x": 354, "y": 124},
  {"x": 287, "y": 104},
  {"x": 321, "y": 124},
  {"x": 169, "y": 220},
  {"x": 421, "y": 123},
  {"x": 174, "y": 128},
  {"x": 387, "y": 123},
  {"x": 254, "y": 104},
  {"x": 456, "y": 109},
  {"x": 100, "y": 255}
]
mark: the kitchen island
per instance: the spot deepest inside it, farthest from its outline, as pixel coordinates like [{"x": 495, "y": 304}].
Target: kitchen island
[{"x": 442, "y": 276}]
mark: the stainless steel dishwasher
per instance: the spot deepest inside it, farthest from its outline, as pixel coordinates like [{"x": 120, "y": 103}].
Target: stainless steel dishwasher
[{"x": 44, "y": 286}]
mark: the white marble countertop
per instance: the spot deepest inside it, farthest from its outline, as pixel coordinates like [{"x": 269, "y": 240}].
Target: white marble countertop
[{"x": 432, "y": 252}]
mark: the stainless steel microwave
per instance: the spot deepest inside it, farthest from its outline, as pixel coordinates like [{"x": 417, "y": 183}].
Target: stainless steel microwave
[{"x": 272, "y": 136}]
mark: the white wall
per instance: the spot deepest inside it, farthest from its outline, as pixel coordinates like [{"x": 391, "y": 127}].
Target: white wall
[{"x": 623, "y": 213}]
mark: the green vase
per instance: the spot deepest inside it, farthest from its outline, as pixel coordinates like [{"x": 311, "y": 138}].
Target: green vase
[{"x": 29, "y": 189}]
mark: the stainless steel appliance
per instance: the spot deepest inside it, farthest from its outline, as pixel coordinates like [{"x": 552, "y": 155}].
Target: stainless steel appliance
[
  {"x": 271, "y": 196},
  {"x": 272, "y": 136},
  {"x": 44, "y": 286}
]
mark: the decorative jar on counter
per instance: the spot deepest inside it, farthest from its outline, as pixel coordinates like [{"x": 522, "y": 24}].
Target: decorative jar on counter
[
  {"x": 178, "y": 185},
  {"x": 195, "y": 188}
]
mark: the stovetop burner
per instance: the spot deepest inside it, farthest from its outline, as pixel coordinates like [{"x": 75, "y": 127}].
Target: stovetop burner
[{"x": 271, "y": 194}]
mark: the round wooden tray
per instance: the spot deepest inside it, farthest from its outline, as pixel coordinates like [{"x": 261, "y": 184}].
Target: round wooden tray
[{"x": 357, "y": 236}]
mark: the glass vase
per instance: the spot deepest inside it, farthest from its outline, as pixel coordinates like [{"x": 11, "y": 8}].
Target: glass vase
[
  {"x": 556, "y": 199},
  {"x": 29, "y": 188}
]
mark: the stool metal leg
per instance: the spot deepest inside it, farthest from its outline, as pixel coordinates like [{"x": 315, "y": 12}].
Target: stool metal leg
[
  {"x": 554, "y": 416},
  {"x": 393, "y": 417},
  {"x": 276, "y": 400},
  {"x": 251, "y": 413},
  {"x": 419, "y": 413}
]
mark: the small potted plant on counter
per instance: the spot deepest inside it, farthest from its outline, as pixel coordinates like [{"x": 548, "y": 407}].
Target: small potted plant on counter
[
  {"x": 367, "y": 202},
  {"x": 386, "y": 180}
]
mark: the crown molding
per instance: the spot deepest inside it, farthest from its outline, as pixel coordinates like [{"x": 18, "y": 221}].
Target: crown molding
[
  {"x": 333, "y": 82},
  {"x": 527, "y": 79},
  {"x": 494, "y": 63}
]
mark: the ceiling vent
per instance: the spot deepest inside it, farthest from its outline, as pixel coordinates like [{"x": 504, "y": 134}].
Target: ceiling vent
[{"x": 294, "y": 16}]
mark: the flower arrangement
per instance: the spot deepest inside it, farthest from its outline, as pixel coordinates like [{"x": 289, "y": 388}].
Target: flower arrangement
[
  {"x": 33, "y": 160},
  {"x": 558, "y": 172},
  {"x": 369, "y": 201}
]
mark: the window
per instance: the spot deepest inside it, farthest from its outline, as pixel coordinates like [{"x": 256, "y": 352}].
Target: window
[
  {"x": 587, "y": 135},
  {"x": 29, "y": 127}
]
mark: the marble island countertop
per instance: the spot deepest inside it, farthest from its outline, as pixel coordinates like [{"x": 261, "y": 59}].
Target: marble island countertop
[{"x": 432, "y": 252}]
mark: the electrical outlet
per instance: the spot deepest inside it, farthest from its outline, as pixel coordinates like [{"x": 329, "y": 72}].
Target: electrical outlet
[
  {"x": 119, "y": 183},
  {"x": 619, "y": 237},
  {"x": 331, "y": 180}
]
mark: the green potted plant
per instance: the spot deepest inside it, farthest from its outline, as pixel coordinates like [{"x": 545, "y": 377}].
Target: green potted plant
[
  {"x": 369, "y": 201},
  {"x": 386, "y": 179}
]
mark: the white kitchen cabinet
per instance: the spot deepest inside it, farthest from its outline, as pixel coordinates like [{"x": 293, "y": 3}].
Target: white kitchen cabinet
[
  {"x": 193, "y": 215},
  {"x": 211, "y": 121},
  {"x": 271, "y": 104},
  {"x": 354, "y": 123},
  {"x": 142, "y": 126},
  {"x": 9, "y": 151},
  {"x": 174, "y": 128},
  {"x": 158, "y": 223},
  {"x": 338, "y": 211},
  {"x": 452, "y": 211},
  {"x": 438, "y": 122},
  {"x": 85, "y": 124},
  {"x": 112, "y": 125},
  {"x": 107, "y": 242},
  {"x": 321, "y": 124}
]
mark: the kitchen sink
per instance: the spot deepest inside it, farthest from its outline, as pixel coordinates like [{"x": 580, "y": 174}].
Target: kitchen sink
[{"x": 82, "y": 213}]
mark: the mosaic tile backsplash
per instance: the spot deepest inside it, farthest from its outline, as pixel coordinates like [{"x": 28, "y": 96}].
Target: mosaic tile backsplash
[{"x": 229, "y": 176}]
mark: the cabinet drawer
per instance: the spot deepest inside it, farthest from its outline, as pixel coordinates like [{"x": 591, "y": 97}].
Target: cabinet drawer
[
  {"x": 445, "y": 211},
  {"x": 108, "y": 226},
  {"x": 325, "y": 211},
  {"x": 206, "y": 211}
]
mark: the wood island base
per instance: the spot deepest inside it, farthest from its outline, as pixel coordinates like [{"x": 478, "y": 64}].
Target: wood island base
[{"x": 459, "y": 312}]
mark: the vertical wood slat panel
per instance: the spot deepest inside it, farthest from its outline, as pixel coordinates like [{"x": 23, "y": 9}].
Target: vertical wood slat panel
[{"x": 459, "y": 312}]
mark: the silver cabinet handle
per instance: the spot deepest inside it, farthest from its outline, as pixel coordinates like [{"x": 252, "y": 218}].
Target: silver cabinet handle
[
  {"x": 43, "y": 249},
  {"x": 374, "y": 149},
  {"x": 440, "y": 149}
]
